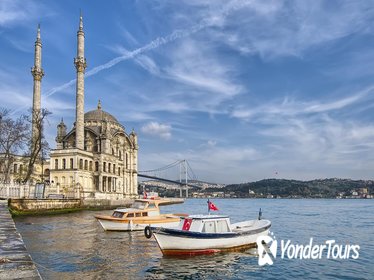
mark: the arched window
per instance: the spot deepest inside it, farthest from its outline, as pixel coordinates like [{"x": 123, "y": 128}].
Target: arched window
[
  {"x": 104, "y": 183},
  {"x": 71, "y": 163},
  {"x": 114, "y": 168},
  {"x": 119, "y": 171},
  {"x": 104, "y": 166},
  {"x": 96, "y": 166},
  {"x": 109, "y": 184},
  {"x": 109, "y": 167},
  {"x": 56, "y": 163},
  {"x": 120, "y": 155},
  {"x": 127, "y": 160},
  {"x": 63, "y": 163},
  {"x": 86, "y": 165},
  {"x": 90, "y": 165},
  {"x": 15, "y": 168},
  {"x": 81, "y": 164}
]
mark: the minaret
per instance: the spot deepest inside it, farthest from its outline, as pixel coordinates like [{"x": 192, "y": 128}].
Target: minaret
[
  {"x": 80, "y": 65},
  {"x": 38, "y": 73}
]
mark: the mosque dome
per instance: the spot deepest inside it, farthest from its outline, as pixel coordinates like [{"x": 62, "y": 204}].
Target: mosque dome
[{"x": 99, "y": 115}]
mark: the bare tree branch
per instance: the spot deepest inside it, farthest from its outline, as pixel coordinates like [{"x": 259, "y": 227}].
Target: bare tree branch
[
  {"x": 13, "y": 137},
  {"x": 37, "y": 143}
]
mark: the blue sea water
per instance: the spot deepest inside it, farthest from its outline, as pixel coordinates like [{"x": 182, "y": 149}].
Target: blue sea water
[{"x": 74, "y": 246}]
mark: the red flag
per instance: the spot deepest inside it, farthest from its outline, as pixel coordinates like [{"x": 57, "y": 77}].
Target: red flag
[
  {"x": 212, "y": 206},
  {"x": 187, "y": 224},
  {"x": 145, "y": 194}
]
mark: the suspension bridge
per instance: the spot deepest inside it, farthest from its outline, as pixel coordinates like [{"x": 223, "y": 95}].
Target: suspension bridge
[{"x": 172, "y": 170}]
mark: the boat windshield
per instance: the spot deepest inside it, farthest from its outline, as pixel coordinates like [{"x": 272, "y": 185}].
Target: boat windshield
[
  {"x": 117, "y": 214},
  {"x": 139, "y": 205}
]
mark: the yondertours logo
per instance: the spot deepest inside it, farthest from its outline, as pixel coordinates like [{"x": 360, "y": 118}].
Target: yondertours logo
[{"x": 267, "y": 250}]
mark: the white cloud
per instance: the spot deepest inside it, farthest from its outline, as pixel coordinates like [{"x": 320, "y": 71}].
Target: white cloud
[
  {"x": 128, "y": 36},
  {"x": 208, "y": 144},
  {"x": 19, "y": 12},
  {"x": 338, "y": 104},
  {"x": 211, "y": 143},
  {"x": 13, "y": 93},
  {"x": 11, "y": 11},
  {"x": 290, "y": 107},
  {"x": 200, "y": 78},
  {"x": 156, "y": 129},
  {"x": 192, "y": 78},
  {"x": 199, "y": 67},
  {"x": 283, "y": 28}
]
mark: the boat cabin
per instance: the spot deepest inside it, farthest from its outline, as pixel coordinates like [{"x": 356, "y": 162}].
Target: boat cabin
[
  {"x": 206, "y": 223},
  {"x": 140, "y": 208}
]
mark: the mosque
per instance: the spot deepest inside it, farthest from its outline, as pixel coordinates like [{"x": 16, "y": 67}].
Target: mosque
[{"x": 97, "y": 155}]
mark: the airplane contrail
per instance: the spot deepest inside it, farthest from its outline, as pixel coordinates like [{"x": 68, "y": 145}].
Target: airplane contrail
[
  {"x": 150, "y": 46},
  {"x": 177, "y": 34}
]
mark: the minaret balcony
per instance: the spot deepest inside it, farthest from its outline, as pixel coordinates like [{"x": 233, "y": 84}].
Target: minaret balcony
[
  {"x": 80, "y": 64},
  {"x": 37, "y": 73}
]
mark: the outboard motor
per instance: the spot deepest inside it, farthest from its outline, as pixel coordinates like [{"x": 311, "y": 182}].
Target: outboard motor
[{"x": 259, "y": 214}]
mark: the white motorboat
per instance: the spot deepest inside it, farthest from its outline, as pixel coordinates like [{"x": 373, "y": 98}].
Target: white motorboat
[
  {"x": 206, "y": 234},
  {"x": 143, "y": 212}
]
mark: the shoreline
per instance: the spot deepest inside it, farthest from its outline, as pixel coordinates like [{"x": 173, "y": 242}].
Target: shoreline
[{"x": 15, "y": 261}]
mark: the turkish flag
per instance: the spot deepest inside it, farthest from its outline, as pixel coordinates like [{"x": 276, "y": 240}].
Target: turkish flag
[
  {"x": 187, "y": 224},
  {"x": 144, "y": 195},
  {"x": 212, "y": 206}
]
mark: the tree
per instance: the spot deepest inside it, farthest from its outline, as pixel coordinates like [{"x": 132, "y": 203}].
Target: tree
[
  {"x": 13, "y": 137},
  {"x": 37, "y": 143}
]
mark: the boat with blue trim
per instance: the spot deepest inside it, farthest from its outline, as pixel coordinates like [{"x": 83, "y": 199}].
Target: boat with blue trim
[{"x": 206, "y": 234}]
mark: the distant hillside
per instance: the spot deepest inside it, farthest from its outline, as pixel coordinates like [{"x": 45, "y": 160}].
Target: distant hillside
[
  {"x": 321, "y": 188},
  {"x": 286, "y": 188}
]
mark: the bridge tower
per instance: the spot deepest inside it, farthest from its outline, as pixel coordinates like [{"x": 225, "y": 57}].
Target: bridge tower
[{"x": 183, "y": 174}]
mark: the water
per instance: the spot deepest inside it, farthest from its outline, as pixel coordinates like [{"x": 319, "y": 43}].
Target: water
[{"x": 74, "y": 246}]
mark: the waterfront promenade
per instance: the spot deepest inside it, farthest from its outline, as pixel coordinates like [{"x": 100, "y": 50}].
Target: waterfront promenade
[{"x": 15, "y": 261}]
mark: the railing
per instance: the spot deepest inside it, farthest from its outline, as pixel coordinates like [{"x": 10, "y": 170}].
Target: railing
[{"x": 33, "y": 191}]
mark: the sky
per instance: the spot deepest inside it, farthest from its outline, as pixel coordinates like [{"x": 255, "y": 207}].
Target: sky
[{"x": 243, "y": 90}]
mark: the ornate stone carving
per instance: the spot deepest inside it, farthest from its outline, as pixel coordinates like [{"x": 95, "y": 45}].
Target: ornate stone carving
[
  {"x": 37, "y": 73},
  {"x": 80, "y": 64}
]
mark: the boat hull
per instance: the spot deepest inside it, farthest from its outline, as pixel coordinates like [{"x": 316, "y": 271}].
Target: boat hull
[
  {"x": 129, "y": 225},
  {"x": 173, "y": 242}
]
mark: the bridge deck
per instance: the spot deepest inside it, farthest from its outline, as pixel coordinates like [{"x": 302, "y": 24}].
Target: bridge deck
[{"x": 166, "y": 180}]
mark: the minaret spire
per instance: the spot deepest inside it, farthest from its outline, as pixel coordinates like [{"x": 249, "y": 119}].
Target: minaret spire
[
  {"x": 38, "y": 73},
  {"x": 81, "y": 21},
  {"x": 38, "y": 33},
  {"x": 80, "y": 65}
]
